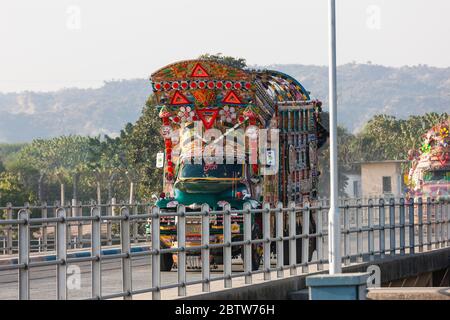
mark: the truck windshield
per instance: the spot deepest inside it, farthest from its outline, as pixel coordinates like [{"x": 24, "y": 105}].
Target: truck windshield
[
  {"x": 438, "y": 175},
  {"x": 221, "y": 171}
]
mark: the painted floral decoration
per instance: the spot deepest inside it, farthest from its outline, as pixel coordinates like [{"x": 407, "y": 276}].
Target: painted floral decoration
[
  {"x": 444, "y": 132},
  {"x": 186, "y": 114},
  {"x": 227, "y": 114},
  {"x": 426, "y": 147}
]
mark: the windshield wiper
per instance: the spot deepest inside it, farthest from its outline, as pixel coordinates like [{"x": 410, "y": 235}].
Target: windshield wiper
[
  {"x": 195, "y": 179},
  {"x": 204, "y": 179}
]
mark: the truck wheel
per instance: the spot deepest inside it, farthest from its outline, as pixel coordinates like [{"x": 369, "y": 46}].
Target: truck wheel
[
  {"x": 166, "y": 262},
  {"x": 256, "y": 259},
  {"x": 256, "y": 248}
]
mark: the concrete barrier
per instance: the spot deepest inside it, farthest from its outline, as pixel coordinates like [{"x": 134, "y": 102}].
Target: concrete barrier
[
  {"x": 392, "y": 268},
  {"x": 409, "y": 294}
]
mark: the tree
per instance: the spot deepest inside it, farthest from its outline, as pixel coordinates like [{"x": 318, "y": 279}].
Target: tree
[
  {"x": 105, "y": 162},
  {"x": 227, "y": 60},
  {"x": 64, "y": 158},
  {"x": 13, "y": 190},
  {"x": 141, "y": 143},
  {"x": 387, "y": 138},
  {"x": 345, "y": 163}
]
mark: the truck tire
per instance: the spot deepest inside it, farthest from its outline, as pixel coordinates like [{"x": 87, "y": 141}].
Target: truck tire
[
  {"x": 166, "y": 262},
  {"x": 256, "y": 248},
  {"x": 256, "y": 260}
]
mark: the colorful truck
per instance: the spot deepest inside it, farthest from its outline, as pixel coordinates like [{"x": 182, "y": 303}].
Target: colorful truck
[
  {"x": 233, "y": 136},
  {"x": 429, "y": 175}
]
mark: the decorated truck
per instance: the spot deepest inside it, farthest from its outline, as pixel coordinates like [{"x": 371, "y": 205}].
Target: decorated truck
[
  {"x": 429, "y": 175},
  {"x": 233, "y": 136}
]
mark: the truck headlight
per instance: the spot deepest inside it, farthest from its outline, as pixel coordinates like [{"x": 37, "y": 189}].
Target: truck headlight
[
  {"x": 222, "y": 203},
  {"x": 172, "y": 204},
  {"x": 195, "y": 206}
]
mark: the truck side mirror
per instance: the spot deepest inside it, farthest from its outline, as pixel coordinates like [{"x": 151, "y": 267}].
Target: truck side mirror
[{"x": 160, "y": 160}]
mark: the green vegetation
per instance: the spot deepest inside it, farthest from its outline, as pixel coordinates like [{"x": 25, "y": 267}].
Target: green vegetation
[
  {"x": 84, "y": 166},
  {"x": 227, "y": 60},
  {"x": 35, "y": 171},
  {"x": 95, "y": 164},
  {"x": 381, "y": 138}
]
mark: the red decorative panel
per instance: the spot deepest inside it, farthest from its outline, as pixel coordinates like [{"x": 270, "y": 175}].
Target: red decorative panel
[{"x": 179, "y": 99}]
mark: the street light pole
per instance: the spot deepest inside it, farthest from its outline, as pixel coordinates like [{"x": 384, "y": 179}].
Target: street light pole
[{"x": 334, "y": 232}]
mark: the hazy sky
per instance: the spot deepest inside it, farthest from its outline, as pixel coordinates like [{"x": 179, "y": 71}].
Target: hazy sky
[{"x": 51, "y": 44}]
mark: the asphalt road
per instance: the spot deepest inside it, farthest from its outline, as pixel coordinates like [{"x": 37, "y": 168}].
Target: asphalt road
[{"x": 43, "y": 279}]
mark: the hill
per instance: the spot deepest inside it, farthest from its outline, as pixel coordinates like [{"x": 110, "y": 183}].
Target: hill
[{"x": 363, "y": 91}]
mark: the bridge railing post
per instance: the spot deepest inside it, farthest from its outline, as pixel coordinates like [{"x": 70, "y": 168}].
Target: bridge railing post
[
  {"x": 156, "y": 256},
  {"x": 392, "y": 226},
  {"x": 411, "y": 226},
  {"x": 227, "y": 262},
  {"x": 135, "y": 205},
  {"x": 370, "y": 224},
  {"x": 420, "y": 223},
  {"x": 319, "y": 239},
  {"x": 402, "y": 226},
  {"x": 205, "y": 248},
  {"x": 9, "y": 229},
  {"x": 181, "y": 239},
  {"x": 305, "y": 239},
  {"x": 429, "y": 234},
  {"x": 435, "y": 210},
  {"x": 79, "y": 213},
  {"x": 359, "y": 234},
  {"x": 125, "y": 246},
  {"x": 96, "y": 251},
  {"x": 61, "y": 254},
  {"x": 444, "y": 223},
  {"x": 248, "y": 245},
  {"x": 44, "y": 215},
  {"x": 279, "y": 236},
  {"x": 266, "y": 243},
  {"x": 346, "y": 233},
  {"x": 447, "y": 210},
  {"x": 382, "y": 228},
  {"x": 24, "y": 254},
  {"x": 434, "y": 219},
  {"x": 441, "y": 224},
  {"x": 292, "y": 240},
  {"x": 112, "y": 212},
  {"x": 69, "y": 213},
  {"x": 437, "y": 220}
]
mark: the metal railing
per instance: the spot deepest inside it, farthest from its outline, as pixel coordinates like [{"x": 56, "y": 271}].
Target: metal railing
[
  {"x": 76, "y": 233},
  {"x": 372, "y": 229}
]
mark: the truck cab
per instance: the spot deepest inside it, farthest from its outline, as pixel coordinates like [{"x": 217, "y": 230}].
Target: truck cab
[
  {"x": 211, "y": 183},
  {"x": 436, "y": 184}
]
